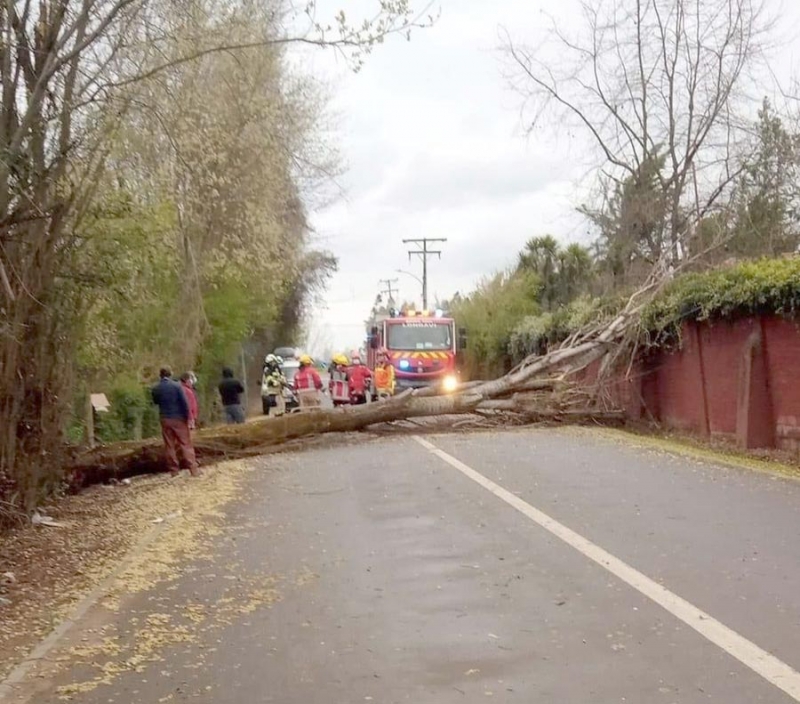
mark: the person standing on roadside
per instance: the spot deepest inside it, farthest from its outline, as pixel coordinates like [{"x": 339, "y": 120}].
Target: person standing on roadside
[
  {"x": 231, "y": 390},
  {"x": 173, "y": 409},
  {"x": 188, "y": 380},
  {"x": 384, "y": 374},
  {"x": 360, "y": 378}
]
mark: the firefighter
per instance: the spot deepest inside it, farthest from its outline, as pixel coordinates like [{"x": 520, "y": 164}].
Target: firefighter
[
  {"x": 338, "y": 380},
  {"x": 272, "y": 384},
  {"x": 359, "y": 377},
  {"x": 383, "y": 374},
  {"x": 308, "y": 384}
]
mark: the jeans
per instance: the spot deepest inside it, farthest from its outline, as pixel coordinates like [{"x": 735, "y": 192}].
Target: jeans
[{"x": 234, "y": 413}]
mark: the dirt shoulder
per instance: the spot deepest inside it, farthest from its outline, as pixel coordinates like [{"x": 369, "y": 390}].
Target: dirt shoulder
[{"x": 52, "y": 568}]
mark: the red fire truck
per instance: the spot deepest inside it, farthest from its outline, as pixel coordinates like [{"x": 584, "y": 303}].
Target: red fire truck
[{"x": 422, "y": 345}]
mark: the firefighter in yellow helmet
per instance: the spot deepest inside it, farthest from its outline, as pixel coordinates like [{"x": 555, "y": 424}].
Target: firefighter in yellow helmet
[
  {"x": 308, "y": 384},
  {"x": 338, "y": 384}
]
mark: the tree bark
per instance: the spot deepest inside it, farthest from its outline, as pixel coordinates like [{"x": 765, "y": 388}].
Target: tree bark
[
  {"x": 534, "y": 388},
  {"x": 126, "y": 459}
]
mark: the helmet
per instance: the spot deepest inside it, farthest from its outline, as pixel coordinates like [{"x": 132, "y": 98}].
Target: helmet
[
  {"x": 340, "y": 359},
  {"x": 271, "y": 359},
  {"x": 305, "y": 360}
]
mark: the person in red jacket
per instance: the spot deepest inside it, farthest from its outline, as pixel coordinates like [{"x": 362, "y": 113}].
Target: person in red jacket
[
  {"x": 359, "y": 377},
  {"x": 308, "y": 384},
  {"x": 188, "y": 380},
  {"x": 173, "y": 410}
]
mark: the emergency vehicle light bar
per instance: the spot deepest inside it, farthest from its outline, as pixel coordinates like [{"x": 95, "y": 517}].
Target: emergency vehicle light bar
[{"x": 438, "y": 313}]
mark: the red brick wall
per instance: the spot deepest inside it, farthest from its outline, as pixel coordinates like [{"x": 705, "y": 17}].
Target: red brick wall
[
  {"x": 783, "y": 358},
  {"x": 706, "y": 388}
]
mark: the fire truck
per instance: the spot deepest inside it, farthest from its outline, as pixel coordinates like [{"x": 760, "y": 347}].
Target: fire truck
[{"x": 422, "y": 345}]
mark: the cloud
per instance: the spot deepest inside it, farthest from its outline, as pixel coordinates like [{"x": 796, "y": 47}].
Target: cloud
[
  {"x": 466, "y": 175},
  {"x": 435, "y": 147}
]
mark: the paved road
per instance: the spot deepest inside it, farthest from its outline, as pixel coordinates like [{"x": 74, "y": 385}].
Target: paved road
[{"x": 381, "y": 572}]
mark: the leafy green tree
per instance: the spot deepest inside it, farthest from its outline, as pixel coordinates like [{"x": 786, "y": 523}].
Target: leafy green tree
[
  {"x": 632, "y": 225},
  {"x": 489, "y": 314},
  {"x": 767, "y": 212},
  {"x": 541, "y": 256},
  {"x": 563, "y": 273},
  {"x": 575, "y": 272},
  {"x": 174, "y": 144}
]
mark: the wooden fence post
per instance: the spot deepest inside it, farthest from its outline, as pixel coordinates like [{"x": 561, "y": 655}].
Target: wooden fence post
[{"x": 89, "y": 435}]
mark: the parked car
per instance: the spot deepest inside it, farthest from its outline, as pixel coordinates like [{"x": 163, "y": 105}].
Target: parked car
[{"x": 285, "y": 352}]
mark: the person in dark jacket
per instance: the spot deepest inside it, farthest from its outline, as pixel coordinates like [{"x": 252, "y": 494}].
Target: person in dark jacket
[
  {"x": 231, "y": 390},
  {"x": 174, "y": 411}
]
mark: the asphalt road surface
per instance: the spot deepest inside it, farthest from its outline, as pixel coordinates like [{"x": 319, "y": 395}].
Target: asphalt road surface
[{"x": 525, "y": 566}]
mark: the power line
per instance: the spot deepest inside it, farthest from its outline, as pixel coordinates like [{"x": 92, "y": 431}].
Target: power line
[
  {"x": 423, "y": 254},
  {"x": 389, "y": 290}
]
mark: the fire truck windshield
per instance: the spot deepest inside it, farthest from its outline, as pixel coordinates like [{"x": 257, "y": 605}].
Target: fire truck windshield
[{"x": 419, "y": 336}]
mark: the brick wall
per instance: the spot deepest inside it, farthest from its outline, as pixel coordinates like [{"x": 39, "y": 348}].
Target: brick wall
[{"x": 738, "y": 380}]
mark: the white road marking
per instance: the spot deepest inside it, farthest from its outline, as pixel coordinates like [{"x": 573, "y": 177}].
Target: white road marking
[{"x": 775, "y": 671}]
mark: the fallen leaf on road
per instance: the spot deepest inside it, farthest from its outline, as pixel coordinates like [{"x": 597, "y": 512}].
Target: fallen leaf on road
[{"x": 39, "y": 519}]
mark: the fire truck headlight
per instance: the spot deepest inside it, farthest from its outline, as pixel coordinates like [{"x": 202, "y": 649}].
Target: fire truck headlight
[
  {"x": 404, "y": 364},
  {"x": 449, "y": 384}
]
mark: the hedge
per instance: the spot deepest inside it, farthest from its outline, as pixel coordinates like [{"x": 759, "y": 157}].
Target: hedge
[{"x": 758, "y": 287}]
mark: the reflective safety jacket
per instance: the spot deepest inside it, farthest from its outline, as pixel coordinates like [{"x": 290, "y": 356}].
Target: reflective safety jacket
[
  {"x": 273, "y": 382},
  {"x": 384, "y": 378},
  {"x": 307, "y": 378},
  {"x": 338, "y": 383}
]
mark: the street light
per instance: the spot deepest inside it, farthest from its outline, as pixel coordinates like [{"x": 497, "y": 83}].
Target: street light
[
  {"x": 408, "y": 273},
  {"x": 413, "y": 276}
]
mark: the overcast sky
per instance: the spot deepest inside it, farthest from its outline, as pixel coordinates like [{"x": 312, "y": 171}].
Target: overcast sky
[{"x": 434, "y": 146}]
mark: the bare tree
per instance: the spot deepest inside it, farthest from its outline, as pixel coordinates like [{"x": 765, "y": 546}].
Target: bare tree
[{"x": 651, "y": 81}]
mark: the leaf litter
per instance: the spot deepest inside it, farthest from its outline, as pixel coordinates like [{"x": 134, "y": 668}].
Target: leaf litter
[{"x": 101, "y": 526}]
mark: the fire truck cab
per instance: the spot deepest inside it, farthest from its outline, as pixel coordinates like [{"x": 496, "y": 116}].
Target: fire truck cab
[{"x": 422, "y": 346}]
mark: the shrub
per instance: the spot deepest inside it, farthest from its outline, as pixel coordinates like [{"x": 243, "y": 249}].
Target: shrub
[{"x": 764, "y": 286}]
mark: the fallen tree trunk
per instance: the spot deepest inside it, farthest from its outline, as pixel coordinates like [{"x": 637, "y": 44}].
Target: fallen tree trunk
[
  {"x": 121, "y": 460},
  {"x": 534, "y": 413},
  {"x": 256, "y": 437},
  {"x": 546, "y": 374}
]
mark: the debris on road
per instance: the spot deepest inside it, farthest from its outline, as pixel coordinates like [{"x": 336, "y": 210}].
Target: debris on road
[
  {"x": 169, "y": 517},
  {"x": 54, "y": 569},
  {"x": 39, "y": 519}
]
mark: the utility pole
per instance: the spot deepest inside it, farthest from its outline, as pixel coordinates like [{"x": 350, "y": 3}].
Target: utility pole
[
  {"x": 389, "y": 290},
  {"x": 423, "y": 254}
]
